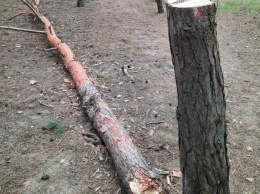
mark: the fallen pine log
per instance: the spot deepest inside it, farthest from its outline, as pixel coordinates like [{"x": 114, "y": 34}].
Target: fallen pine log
[{"x": 136, "y": 175}]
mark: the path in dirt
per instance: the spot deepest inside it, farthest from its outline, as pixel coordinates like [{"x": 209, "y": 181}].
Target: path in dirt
[{"x": 106, "y": 36}]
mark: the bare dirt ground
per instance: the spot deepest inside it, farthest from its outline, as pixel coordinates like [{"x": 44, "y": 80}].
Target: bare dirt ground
[{"x": 106, "y": 36}]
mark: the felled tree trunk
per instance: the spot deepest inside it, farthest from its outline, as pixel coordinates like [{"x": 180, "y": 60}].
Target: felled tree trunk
[
  {"x": 201, "y": 100},
  {"x": 136, "y": 175},
  {"x": 80, "y": 3},
  {"x": 160, "y": 6}
]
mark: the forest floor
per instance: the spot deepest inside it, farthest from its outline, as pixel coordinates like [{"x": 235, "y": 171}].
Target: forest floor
[{"x": 105, "y": 36}]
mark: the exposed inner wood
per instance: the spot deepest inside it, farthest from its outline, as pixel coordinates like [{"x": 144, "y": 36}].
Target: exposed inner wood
[{"x": 188, "y": 4}]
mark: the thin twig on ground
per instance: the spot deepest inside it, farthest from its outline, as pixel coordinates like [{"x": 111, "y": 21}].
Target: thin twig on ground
[
  {"x": 21, "y": 13},
  {"x": 21, "y": 29},
  {"x": 63, "y": 138},
  {"x": 50, "y": 49},
  {"x": 158, "y": 122},
  {"x": 49, "y": 106},
  {"x": 124, "y": 69}
]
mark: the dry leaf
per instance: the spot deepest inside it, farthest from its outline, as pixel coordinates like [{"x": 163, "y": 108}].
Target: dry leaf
[
  {"x": 132, "y": 120},
  {"x": 168, "y": 180},
  {"x": 164, "y": 146},
  {"x": 27, "y": 183},
  {"x": 176, "y": 174},
  {"x": 97, "y": 189},
  {"x": 66, "y": 80}
]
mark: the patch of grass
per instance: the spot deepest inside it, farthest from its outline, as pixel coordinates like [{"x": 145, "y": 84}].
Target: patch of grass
[
  {"x": 55, "y": 126},
  {"x": 238, "y": 4},
  {"x": 92, "y": 61},
  {"x": 170, "y": 65},
  {"x": 88, "y": 46},
  {"x": 21, "y": 25},
  {"x": 100, "y": 76},
  {"x": 48, "y": 54}
]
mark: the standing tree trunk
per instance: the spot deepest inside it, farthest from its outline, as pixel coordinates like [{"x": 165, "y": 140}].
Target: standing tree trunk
[
  {"x": 80, "y": 3},
  {"x": 160, "y": 6},
  {"x": 201, "y": 100}
]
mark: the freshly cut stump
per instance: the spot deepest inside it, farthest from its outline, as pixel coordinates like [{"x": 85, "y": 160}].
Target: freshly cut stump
[{"x": 201, "y": 99}]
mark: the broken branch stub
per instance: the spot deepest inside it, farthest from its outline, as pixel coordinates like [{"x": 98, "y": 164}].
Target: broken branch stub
[
  {"x": 201, "y": 100},
  {"x": 136, "y": 175}
]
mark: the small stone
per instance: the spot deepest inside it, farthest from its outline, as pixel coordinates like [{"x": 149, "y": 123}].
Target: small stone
[
  {"x": 19, "y": 112},
  {"x": 250, "y": 179},
  {"x": 140, "y": 98},
  {"x": 249, "y": 148},
  {"x": 62, "y": 161},
  {"x": 32, "y": 82}
]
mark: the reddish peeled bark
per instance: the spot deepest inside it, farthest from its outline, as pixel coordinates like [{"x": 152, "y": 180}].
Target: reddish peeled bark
[{"x": 134, "y": 172}]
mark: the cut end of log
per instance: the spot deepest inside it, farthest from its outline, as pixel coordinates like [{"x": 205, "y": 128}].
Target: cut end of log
[
  {"x": 189, "y": 4},
  {"x": 138, "y": 187}
]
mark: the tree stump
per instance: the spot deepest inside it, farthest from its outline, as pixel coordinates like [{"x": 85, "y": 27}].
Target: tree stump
[
  {"x": 160, "y": 6},
  {"x": 201, "y": 99},
  {"x": 80, "y": 3}
]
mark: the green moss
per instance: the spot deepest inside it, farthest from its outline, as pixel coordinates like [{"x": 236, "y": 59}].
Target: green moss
[
  {"x": 48, "y": 54},
  {"x": 55, "y": 126}
]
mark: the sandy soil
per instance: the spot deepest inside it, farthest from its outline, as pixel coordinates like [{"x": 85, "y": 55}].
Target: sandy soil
[{"x": 106, "y": 36}]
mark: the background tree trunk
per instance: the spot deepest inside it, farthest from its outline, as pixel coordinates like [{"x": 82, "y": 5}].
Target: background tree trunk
[
  {"x": 160, "y": 6},
  {"x": 201, "y": 100},
  {"x": 80, "y": 3}
]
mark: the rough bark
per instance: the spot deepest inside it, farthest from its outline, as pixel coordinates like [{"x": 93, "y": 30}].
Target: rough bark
[
  {"x": 80, "y": 3},
  {"x": 160, "y": 6},
  {"x": 134, "y": 172},
  {"x": 201, "y": 100}
]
